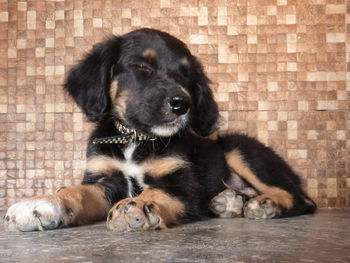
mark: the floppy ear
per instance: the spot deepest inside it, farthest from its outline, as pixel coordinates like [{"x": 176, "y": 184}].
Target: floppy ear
[
  {"x": 88, "y": 82},
  {"x": 205, "y": 110}
]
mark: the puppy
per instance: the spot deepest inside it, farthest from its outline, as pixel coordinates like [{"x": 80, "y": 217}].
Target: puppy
[{"x": 149, "y": 162}]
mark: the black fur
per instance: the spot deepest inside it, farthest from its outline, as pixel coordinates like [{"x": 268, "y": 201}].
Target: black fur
[
  {"x": 205, "y": 112},
  {"x": 88, "y": 82},
  {"x": 146, "y": 87}
]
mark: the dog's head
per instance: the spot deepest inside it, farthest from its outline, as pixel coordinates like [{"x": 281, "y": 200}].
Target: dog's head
[{"x": 147, "y": 79}]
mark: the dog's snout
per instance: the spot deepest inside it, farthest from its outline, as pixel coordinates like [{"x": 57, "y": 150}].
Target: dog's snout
[{"x": 179, "y": 105}]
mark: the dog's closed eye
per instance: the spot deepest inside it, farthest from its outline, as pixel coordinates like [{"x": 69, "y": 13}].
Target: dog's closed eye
[{"x": 143, "y": 67}]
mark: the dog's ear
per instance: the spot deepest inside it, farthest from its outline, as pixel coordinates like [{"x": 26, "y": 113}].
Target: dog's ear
[
  {"x": 89, "y": 81},
  {"x": 205, "y": 110}
]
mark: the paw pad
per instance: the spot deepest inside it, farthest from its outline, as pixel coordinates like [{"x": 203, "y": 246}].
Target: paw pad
[
  {"x": 133, "y": 216},
  {"x": 227, "y": 204},
  {"x": 260, "y": 209}
]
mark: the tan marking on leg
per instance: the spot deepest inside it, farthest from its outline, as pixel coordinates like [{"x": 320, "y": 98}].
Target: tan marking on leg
[
  {"x": 170, "y": 207},
  {"x": 279, "y": 196},
  {"x": 87, "y": 202},
  {"x": 149, "y": 53},
  {"x": 101, "y": 164},
  {"x": 235, "y": 161},
  {"x": 157, "y": 167},
  {"x": 113, "y": 90}
]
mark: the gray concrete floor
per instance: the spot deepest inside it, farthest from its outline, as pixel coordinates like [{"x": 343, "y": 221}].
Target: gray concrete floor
[{"x": 324, "y": 237}]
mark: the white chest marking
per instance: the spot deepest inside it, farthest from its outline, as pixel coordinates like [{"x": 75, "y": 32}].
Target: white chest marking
[{"x": 131, "y": 169}]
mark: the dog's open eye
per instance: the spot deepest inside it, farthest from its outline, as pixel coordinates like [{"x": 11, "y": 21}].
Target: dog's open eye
[{"x": 143, "y": 67}]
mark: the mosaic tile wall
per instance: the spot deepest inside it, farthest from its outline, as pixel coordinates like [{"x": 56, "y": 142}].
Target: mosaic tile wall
[{"x": 280, "y": 71}]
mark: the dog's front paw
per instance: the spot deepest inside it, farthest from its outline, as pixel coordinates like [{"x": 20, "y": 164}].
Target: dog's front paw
[
  {"x": 227, "y": 204},
  {"x": 34, "y": 214},
  {"x": 134, "y": 214}
]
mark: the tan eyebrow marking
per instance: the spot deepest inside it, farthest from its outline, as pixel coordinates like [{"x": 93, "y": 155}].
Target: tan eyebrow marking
[
  {"x": 149, "y": 53},
  {"x": 184, "y": 62}
]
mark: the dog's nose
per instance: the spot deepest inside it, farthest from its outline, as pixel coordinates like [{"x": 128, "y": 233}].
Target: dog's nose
[{"x": 179, "y": 105}]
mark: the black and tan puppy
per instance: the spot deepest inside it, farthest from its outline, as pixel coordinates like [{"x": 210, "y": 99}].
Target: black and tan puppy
[{"x": 149, "y": 164}]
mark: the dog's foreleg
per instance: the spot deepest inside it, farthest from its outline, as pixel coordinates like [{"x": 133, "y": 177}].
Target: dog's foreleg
[{"x": 74, "y": 205}]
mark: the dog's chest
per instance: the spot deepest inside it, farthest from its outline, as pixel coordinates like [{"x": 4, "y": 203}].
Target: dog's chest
[{"x": 131, "y": 169}]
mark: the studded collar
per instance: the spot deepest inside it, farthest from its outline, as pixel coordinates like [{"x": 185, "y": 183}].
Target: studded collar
[{"x": 127, "y": 135}]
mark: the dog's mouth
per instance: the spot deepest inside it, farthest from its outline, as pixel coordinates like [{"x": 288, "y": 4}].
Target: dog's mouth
[{"x": 170, "y": 128}]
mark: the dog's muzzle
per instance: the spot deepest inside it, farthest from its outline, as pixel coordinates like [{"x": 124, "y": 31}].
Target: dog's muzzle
[{"x": 179, "y": 106}]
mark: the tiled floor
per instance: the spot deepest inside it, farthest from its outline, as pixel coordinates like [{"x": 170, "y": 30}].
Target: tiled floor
[{"x": 324, "y": 237}]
